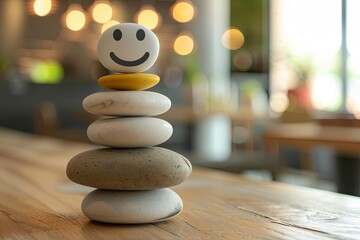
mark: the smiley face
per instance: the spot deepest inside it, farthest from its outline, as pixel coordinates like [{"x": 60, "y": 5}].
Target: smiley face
[{"x": 128, "y": 47}]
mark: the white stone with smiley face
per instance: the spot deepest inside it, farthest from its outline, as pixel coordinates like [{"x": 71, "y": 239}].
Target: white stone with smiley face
[{"x": 128, "y": 48}]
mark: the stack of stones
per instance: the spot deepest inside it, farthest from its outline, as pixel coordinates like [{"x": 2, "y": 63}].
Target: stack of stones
[{"x": 131, "y": 175}]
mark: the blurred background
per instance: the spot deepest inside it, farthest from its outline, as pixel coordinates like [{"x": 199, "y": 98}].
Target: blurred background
[{"x": 267, "y": 89}]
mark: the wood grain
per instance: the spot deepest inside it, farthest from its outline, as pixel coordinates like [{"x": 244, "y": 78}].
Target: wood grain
[{"x": 34, "y": 204}]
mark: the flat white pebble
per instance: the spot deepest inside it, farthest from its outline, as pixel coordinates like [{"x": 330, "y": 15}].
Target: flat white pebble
[{"x": 127, "y": 103}]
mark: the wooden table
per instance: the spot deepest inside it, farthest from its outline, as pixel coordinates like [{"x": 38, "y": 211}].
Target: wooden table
[
  {"x": 38, "y": 202},
  {"x": 306, "y": 136}
]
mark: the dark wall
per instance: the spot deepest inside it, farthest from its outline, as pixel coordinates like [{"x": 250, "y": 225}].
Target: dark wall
[
  {"x": 18, "y": 102},
  {"x": 17, "y": 108}
]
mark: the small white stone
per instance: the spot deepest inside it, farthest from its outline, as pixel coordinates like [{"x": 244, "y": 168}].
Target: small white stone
[
  {"x": 128, "y": 47},
  {"x": 132, "y": 207},
  {"x": 129, "y": 132},
  {"x": 127, "y": 103}
]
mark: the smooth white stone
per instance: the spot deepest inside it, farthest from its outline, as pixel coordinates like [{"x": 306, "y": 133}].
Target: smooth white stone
[
  {"x": 127, "y": 103},
  {"x": 128, "y": 47},
  {"x": 129, "y": 132},
  {"x": 132, "y": 207}
]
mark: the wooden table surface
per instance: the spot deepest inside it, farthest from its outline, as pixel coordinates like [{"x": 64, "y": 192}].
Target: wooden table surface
[{"x": 38, "y": 202}]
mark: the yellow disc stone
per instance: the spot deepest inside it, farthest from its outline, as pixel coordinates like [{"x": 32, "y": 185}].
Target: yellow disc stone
[{"x": 129, "y": 81}]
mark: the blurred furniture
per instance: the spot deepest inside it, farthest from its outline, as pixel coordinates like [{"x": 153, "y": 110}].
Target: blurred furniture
[
  {"x": 37, "y": 201},
  {"x": 19, "y": 109},
  {"x": 239, "y": 160},
  {"x": 47, "y": 123},
  {"x": 46, "y": 119},
  {"x": 306, "y": 136},
  {"x": 243, "y": 116}
]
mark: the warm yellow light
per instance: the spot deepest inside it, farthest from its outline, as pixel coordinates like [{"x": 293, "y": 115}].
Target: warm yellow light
[
  {"x": 42, "y": 7},
  {"x": 232, "y": 39},
  {"x": 148, "y": 17},
  {"x": 183, "y": 45},
  {"x": 102, "y": 12},
  {"x": 279, "y": 102},
  {"x": 183, "y": 11},
  {"x": 75, "y": 18},
  {"x": 108, "y": 25},
  {"x": 329, "y": 99}
]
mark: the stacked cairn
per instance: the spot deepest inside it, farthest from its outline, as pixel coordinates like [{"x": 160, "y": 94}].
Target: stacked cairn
[{"x": 131, "y": 175}]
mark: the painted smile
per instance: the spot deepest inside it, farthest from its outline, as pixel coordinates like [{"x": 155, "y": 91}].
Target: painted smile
[{"x": 129, "y": 63}]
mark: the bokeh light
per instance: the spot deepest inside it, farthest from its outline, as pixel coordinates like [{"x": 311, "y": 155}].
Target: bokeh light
[
  {"x": 279, "y": 102},
  {"x": 326, "y": 92},
  {"x": 233, "y": 39},
  {"x": 75, "y": 18},
  {"x": 42, "y": 7},
  {"x": 183, "y": 11},
  {"x": 102, "y": 12},
  {"x": 148, "y": 17},
  {"x": 47, "y": 72},
  {"x": 243, "y": 60},
  {"x": 109, "y": 24},
  {"x": 184, "y": 44}
]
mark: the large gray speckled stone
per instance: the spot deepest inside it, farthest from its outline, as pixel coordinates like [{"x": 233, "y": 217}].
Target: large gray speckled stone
[
  {"x": 132, "y": 207},
  {"x": 129, "y": 169}
]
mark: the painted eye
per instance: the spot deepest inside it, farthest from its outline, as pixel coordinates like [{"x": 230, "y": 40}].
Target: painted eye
[
  {"x": 140, "y": 34},
  {"x": 117, "y": 35}
]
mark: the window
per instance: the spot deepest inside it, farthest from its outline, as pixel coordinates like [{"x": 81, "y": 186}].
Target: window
[
  {"x": 314, "y": 46},
  {"x": 353, "y": 57}
]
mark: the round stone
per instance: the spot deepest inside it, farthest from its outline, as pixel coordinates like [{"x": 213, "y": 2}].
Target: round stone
[
  {"x": 131, "y": 207},
  {"x": 129, "y": 81},
  {"x": 129, "y": 169},
  {"x": 129, "y": 132},
  {"x": 128, "y": 47},
  {"x": 127, "y": 103}
]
